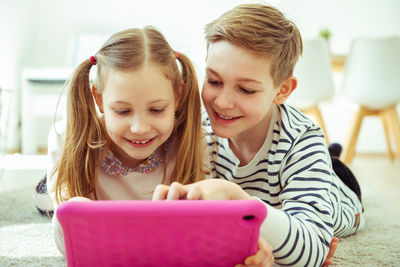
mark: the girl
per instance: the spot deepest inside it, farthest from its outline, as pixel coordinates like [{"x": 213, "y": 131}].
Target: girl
[{"x": 149, "y": 120}]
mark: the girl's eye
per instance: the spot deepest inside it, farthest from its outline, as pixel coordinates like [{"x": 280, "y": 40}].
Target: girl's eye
[
  {"x": 213, "y": 82},
  {"x": 121, "y": 111},
  {"x": 246, "y": 91},
  {"x": 157, "y": 110}
]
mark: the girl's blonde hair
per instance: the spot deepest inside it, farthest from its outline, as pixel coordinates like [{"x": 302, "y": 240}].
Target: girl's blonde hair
[
  {"x": 86, "y": 140},
  {"x": 265, "y": 31}
]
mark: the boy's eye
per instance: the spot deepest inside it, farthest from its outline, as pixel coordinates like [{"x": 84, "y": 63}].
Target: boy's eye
[
  {"x": 246, "y": 91},
  {"x": 213, "y": 82}
]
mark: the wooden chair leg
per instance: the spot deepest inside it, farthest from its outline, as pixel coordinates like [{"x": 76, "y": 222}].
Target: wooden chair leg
[
  {"x": 317, "y": 115},
  {"x": 394, "y": 127},
  {"x": 320, "y": 121},
  {"x": 352, "y": 135},
  {"x": 385, "y": 123}
]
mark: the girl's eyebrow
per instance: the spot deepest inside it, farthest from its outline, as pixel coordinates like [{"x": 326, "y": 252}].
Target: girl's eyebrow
[
  {"x": 239, "y": 80},
  {"x": 157, "y": 101}
]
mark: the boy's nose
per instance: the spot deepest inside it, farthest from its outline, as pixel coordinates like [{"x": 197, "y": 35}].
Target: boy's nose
[
  {"x": 140, "y": 126},
  {"x": 224, "y": 100}
]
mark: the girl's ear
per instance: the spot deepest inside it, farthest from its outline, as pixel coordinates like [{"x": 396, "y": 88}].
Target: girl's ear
[
  {"x": 285, "y": 90},
  {"x": 98, "y": 98}
]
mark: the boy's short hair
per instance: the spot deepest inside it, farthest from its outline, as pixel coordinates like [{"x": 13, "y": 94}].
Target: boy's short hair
[{"x": 265, "y": 31}]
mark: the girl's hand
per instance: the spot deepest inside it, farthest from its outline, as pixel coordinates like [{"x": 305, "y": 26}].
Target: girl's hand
[
  {"x": 79, "y": 199},
  {"x": 263, "y": 257},
  {"x": 210, "y": 189}
]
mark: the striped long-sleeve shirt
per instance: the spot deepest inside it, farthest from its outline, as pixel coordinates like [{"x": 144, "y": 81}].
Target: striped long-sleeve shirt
[{"x": 292, "y": 174}]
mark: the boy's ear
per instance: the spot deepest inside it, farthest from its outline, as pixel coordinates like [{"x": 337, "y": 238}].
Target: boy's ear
[
  {"x": 285, "y": 90},
  {"x": 97, "y": 98}
]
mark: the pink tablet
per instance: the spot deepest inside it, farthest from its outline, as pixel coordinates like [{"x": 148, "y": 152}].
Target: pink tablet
[{"x": 160, "y": 233}]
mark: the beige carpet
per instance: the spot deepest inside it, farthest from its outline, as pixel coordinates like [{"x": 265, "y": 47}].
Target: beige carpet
[
  {"x": 26, "y": 237},
  {"x": 378, "y": 244}
]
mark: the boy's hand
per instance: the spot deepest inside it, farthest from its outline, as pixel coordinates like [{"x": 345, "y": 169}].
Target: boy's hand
[
  {"x": 263, "y": 257},
  {"x": 210, "y": 189}
]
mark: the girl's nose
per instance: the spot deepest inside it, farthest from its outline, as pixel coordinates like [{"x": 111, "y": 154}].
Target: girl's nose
[
  {"x": 224, "y": 100},
  {"x": 140, "y": 125}
]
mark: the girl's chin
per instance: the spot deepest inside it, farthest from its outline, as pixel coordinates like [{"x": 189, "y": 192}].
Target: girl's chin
[
  {"x": 128, "y": 158},
  {"x": 132, "y": 161}
]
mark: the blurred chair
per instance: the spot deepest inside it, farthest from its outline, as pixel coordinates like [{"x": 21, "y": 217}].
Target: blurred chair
[
  {"x": 315, "y": 81},
  {"x": 371, "y": 80}
]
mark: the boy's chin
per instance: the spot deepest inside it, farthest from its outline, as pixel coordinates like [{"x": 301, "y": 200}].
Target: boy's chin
[{"x": 223, "y": 133}]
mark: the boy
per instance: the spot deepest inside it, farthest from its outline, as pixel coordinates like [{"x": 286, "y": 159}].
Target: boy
[{"x": 266, "y": 149}]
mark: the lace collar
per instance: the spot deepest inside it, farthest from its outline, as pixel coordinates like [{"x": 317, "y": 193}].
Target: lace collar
[{"x": 114, "y": 167}]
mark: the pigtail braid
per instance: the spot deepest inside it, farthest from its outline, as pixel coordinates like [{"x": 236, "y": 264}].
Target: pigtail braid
[
  {"x": 190, "y": 155},
  {"x": 84, "y": 138}
]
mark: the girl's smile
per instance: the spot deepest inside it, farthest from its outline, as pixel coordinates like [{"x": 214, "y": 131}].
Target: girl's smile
[{"x": 140, "y": 143}]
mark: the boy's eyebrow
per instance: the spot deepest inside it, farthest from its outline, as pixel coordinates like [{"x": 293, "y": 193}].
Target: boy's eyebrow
[
  {"x": 212, "y": 71},
  {"x": 239, "y": 80},
  {"x": 249, "y": 80}
]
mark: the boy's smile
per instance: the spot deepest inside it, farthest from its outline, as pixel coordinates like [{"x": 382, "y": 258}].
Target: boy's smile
[
  {"x": 238, "y": 92},
  {"x": 225, "y": 119}
]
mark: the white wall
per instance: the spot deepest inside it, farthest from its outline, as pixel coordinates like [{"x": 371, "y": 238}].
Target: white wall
[
  {"x": 42, "y": 33},
  {"x": 346, "y": 19},
  {"x": 15, "y": 38},
  {"x": 182, "y": 21}
]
